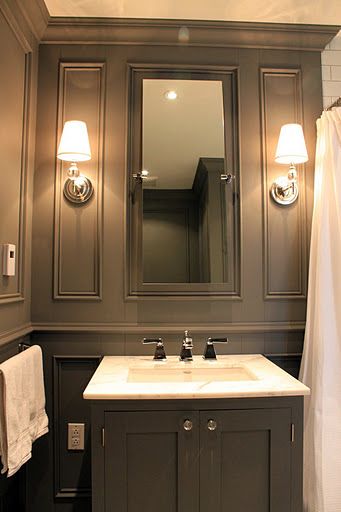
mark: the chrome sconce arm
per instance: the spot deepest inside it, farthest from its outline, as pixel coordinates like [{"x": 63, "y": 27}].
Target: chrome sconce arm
[
  {"x": 285, "y": 189},
  {"x": 77, "y": 188}
]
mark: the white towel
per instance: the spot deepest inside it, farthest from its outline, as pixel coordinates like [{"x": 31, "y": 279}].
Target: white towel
[{"x": 22, "y": 407}]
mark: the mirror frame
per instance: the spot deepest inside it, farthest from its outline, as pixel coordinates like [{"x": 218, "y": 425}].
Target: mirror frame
[{"x": 135, "y": 287}]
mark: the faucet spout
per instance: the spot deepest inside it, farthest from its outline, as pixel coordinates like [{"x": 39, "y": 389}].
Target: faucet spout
[{"x": 186, "y": 349}]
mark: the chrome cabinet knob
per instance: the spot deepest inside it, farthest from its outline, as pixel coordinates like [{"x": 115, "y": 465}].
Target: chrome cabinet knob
[
  {"x": 211, "y": 425},
  {"x": 188, "y": 425}
]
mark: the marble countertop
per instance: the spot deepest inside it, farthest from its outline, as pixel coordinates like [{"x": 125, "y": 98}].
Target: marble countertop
[{"x": 230, "y": 376}]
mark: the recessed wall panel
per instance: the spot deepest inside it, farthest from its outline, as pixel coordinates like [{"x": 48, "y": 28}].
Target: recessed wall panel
[
  {"x": 78, "y": 228},
  {"x": 72, "y": 477},
  {"x": 285, "y": 261},
  {"x": 15, "y": 63}
]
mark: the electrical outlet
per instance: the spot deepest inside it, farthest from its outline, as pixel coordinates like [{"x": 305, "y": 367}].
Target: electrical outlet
[{"x": 75, "y": 438}]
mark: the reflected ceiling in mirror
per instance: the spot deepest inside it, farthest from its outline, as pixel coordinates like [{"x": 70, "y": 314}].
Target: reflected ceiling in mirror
[{"x": 183, "y": 121}]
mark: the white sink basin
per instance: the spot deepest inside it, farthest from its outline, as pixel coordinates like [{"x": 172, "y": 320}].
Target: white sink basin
[{"x": 188, "y": 374}]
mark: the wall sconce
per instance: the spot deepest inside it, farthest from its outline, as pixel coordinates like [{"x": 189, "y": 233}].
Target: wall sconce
[
  {"x": 291, "y": 150},
  {"x": 74, "y": 147}
]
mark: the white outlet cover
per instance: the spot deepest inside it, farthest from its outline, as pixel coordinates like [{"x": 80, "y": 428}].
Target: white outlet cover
[{"x": 75, "y": 438}]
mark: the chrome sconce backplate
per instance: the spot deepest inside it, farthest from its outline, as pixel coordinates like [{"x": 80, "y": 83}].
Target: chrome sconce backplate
[
  {"x": 78, "y": 190},
  {"x": 284, "y": 191}
]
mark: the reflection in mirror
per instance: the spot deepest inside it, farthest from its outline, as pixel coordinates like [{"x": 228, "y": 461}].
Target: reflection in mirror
[{"x": 184, "y": 235}]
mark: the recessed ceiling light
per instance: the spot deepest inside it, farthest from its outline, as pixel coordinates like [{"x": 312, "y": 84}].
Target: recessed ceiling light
[{"x": 171, "y": 95}]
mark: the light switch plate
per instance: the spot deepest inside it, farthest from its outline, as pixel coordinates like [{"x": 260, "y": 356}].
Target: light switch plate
[{"x": 75, "y": 438}]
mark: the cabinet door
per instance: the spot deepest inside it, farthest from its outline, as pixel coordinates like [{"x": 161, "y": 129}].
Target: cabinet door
[
  {"x": 245, "y": 460},
  {"x": 151, "y": 462}
]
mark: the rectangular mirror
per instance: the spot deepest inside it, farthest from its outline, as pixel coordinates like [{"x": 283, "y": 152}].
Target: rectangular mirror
[{"x": 183, "y": 184}]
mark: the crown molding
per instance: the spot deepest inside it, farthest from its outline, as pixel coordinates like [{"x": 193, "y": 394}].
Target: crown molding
[
  {"x": 129, "y": 31},
  {"x": 36, "y": 15},
  {"x": 132, "y": 328},
  {"x": 27, "y": 18}
]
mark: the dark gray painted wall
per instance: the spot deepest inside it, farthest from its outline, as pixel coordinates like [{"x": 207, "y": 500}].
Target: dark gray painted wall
[
  {"x": 275, "y": 86},
  {"x": 12, "y": 490},
  {"x": 58, "y": 479},
  {"x": 79, "y": 298},
  {"x": 78, "y": 264},
  {"x": 20, "y": 28},
  {"x": 21, "y": 25},
  {"x": 170, "y": 236}
]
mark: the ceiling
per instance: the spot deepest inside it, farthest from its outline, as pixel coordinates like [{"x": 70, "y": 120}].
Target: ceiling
[{"x": 280, "y": 11}]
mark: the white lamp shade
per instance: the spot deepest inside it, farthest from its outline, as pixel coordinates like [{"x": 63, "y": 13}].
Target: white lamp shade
[
  {"x": 74, "y": 143},
  {"x": 291, "y": 148}
]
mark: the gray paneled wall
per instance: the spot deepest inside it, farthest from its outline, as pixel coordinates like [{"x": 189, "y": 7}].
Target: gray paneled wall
[
  {"x": 14, "y": 100},
  {"x": 80, "y": 303},
  {"x": 285, "y": 241},
  {"x": 170, "y": 236},
  {"x": 12, "y": 490},
  {"x": 78, "y": 251},
  {"x": 59, "y": 479},
  {"x": 19, "y": 33},
  {"x": 274, "y": 246},
  {"x": 21, "y": 25},
  {"x": 72, "y": 470},
  {"x": 79, "y": 292}
]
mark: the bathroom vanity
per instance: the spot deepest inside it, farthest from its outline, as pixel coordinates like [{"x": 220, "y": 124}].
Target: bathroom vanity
[{"x": 202, "y": 436}]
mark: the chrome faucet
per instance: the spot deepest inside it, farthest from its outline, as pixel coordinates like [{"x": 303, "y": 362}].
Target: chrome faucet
[
  {"x": 209, "y": 350},
  {"x": 186, "y": 349},
  {"x": 160, "y": 354}
]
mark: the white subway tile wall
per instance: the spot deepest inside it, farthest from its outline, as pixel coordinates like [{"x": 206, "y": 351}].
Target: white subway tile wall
[{"x": 331, "y": 71}]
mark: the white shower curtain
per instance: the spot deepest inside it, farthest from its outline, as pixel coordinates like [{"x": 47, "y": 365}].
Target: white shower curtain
[{"x": 321, "y": 362}]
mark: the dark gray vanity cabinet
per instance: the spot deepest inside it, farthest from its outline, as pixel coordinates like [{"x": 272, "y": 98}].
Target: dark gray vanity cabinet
[
  {"x": 245, "y": 461},
  {"x": 237, "y": 455},
  {"x": 151, "y": 462}
]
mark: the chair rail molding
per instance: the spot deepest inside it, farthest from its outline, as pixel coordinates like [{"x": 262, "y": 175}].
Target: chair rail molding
[
  {"x": 130, "y": 328},
  {"x": 16, "y": 333}
]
